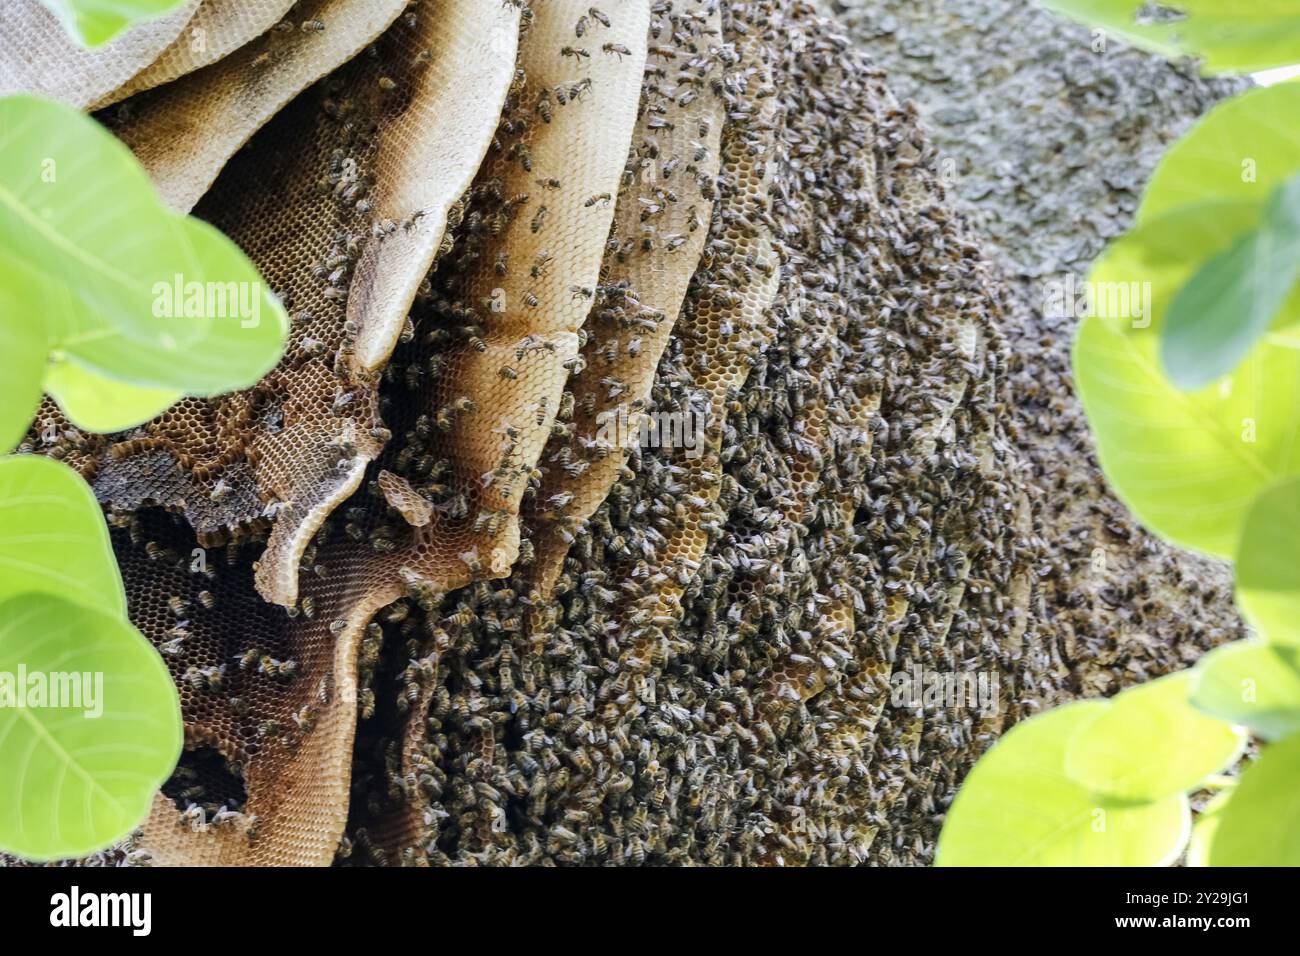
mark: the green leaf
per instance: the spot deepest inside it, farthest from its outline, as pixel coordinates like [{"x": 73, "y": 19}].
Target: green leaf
[
  {"x": 1151, "y": 743},
  {"x": 53, "y": 538},
  {"x": 1251, "y": 683},
  {"x": 1203, "y": 830},
  {"x": 245, "y": 324},
  {"x": 24, "y": 342},
  {"x": 95, "y": 22},
  {"x": 168, "y": 304},
  {"x": 1260, "y": 824},
  {"x": 1268, "y": 572},
  {"x": 97, "y": 404},
  {"x": 1235, "y": 296},
  {"x": 67, "y": 187},
  {"x": 248, "y": 325},
  {"x": 82, "y": 774},
  {"x": 1189, "y": 465},
  {"x": 1230, "y": 35},
  {"x": 1241, "y": 150},
  {"x": 1018, "y": 807}
]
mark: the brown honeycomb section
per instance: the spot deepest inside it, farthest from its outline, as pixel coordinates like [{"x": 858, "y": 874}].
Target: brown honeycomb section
[
  {"x": 219, "y": 27},
  {"x": 255, "y": 687},
  {"x": 320, "y": 229},
  {"x": 275, "y": 693},
  {"x": 509, "y": 299},
  {"x": 727, "y": 324},
  {"x": 184, "y": 132},
  {"x": 428, "y": 145},
  {"x": 661, "y": 219},
  {"x": 309, "y": 779}
]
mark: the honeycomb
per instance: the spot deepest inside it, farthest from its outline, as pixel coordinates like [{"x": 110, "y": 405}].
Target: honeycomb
[
  {"x": 661, "y": 216},
  {"x": 185, "y": 132},
  {"x": 423, "y": 604},
  {"x": 218, "y": 28},
  {"x": 38, "y": 56},
  {"x": 370, "y": 182}
]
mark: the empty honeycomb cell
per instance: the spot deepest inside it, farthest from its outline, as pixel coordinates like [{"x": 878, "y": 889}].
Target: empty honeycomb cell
[
  {"x": 218, "y": 28},
  {"x": 38, "y": 56}
]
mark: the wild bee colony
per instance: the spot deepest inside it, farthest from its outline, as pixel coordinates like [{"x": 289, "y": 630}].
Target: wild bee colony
[{"x": 423, "y": 602}]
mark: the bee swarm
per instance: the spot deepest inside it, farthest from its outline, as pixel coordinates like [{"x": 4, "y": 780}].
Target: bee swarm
[{"x": 424, "y": 605}]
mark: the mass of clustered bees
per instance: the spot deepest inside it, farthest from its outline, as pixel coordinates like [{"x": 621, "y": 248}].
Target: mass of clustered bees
[{"x": 703, "y": 675}]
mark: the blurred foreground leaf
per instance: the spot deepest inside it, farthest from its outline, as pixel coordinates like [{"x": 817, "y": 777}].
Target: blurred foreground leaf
[
  {"x": 53, "y": 538},
  {"x": 1152, "y": 743},
  {"x": 1260, "y": 823},
  {"x": 1251, "y": 683},
  {"x": 1230, "y": 35},
  {"x": 96, "y": 22},
  {"x": 1268, "y": 565},
  {"x": 1019, "y": 807},
  {"x": 1188, "y": 464},
  {"x": 90, "y": 727}
]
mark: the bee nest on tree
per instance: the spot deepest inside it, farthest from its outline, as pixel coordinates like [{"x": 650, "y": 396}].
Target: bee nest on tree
[{"x": 644, "y": 414}]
